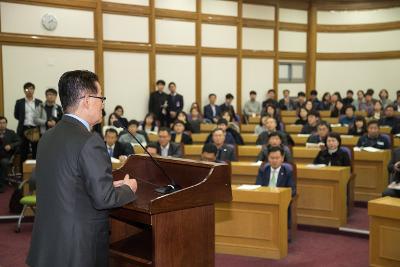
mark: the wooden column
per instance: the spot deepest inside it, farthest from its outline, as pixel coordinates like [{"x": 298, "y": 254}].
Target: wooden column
[
  {"x": 276, "y": 50},
  {"x": 152, "y": 42},
  {"x": 198, "y": 54},
  {"x": 311, "y": 48},
  {"x": 239, "y": 58},
  {"x": 98, "y": 33}
]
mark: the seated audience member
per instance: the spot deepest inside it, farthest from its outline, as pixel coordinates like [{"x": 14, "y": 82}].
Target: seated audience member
[
  {"x": 262, "y": 126},
  {"x": 183, "y": 118},
  {"x": 335, "y": 97},
  {"x": 127, "y": 138},
  {"x": 271, "y": 126},
  {"x": 117, "y": 149},
  {"x": 226, "y": 152},
  {"x": 394, "y": 174},
  {"x": 165, "y": 147},
  {"x": 314, "y": 99},
  {"x": 396, "y": 103},
  {"x": 384, "y": 98},
  {"x": 323, "y": 129},
  {"x": 274, "y": 140},
  {"x": 348, "y": 118},
  {"x": 308, "y": 105},
  {"x": 286, "y": 103},
  {"x": 301, "y": 99},
  {"x": 338, "y": 109},
  {"x": 270, "y": 99},
  {"x": 302, "y": 116},
  {"x": 212, "y": 112},
  {"x": 152, "y": 148},
  {"x": 175, "y": 103},
  {"x": 209, "y": 153},
  {"x": 274, "y": 174},
  {"x": 348, "y": 100},
  {"x": 179, "y": 136},
  {"x": 359, "y": 126},
  {"x": 195, "y": 119},
  {"x": 368, "y": 105},
  {"x": 252, "y": 107},
  {"x": 197, "y": 106},
  {"x": 227, "y": 106},
  {"x": 373, "y": 138},
  {"x": 359, "y": 102},
  {"x": 231, "y": 123},
  {"x": 325, "y": 103},
  {"x": 119, "y": 110},
  {"x": 149, "y": 124},
  {"x": 312, "y": 122},
  {"x": 272, "y": 111},
  {"x": 377, "y": 113},
  {"x": 9, "y": 144},
  {"x": 389, "y": 119},
  {"x": 49, "y": 113},
  {"x": 332, "y": 154},
  {"x": 112, "y": 121},
  {"x": 231, "y": 136}
]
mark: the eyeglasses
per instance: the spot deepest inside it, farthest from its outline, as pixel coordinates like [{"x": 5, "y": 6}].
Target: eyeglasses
[{"x": 98, "y": 97}]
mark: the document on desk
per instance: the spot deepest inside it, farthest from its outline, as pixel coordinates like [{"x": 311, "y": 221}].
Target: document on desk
[
  {"x": 30, "y": 161},
  {"x": 371, "y": 149},
  {"x": 114, "y": 160},
  {"x": 248, "y": 187},
  {"x": 315, "y": 166},
  {"x": 394, "y": 185}
]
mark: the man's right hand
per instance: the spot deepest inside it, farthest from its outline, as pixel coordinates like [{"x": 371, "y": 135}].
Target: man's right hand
[{"x": 131, "y": 183}]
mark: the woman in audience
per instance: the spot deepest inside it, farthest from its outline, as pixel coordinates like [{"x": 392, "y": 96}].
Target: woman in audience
[
  {"x": 195, "y": 119},
  {"x": 332, "y": 154},
  {"x": 325, "y": 102},
  {"x": 183, "y": 117},
  {"x": 334, "y": 98},
  {"x": 338, "y": 110},
  {"x": 179, "y": 136},
  {"x": 302, "y": 116},
  {"x": 149, "y": 124},
  {"x": 359, "y": 102},
  {"x": 384, "y": 97},
  {"x": 308, "y": 105},
  {"x": 111, "y": 119},
  {"x": 377, "y": 114},
  {"x": 348, "y": 118},
  {"x": 262, "y": 126},
  {"x": 231, "y": 124},
  {"x": 271, "y": 111},
  {"x": 359, "y": 126},
  {"x": 119, "y": 110}
]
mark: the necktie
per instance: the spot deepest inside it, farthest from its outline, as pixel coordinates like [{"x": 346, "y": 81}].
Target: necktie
[
  {"x": 110, "y": 151},
  {"x": 272, "y": 183}
]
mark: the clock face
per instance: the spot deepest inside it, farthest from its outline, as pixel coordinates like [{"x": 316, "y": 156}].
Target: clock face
[{"x": 49, "y": 22}]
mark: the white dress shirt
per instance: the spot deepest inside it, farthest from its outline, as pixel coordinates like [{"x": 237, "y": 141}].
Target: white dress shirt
[{"x": 29, "y": 112}]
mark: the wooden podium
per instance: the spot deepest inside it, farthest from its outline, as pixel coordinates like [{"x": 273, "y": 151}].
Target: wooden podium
[{"x": 176, "y": 229}]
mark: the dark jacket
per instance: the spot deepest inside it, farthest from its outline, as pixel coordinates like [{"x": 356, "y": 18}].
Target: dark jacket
[
  {"x": 175, "y": 150},
  {"x": 263, "y": 155},
  {"x": 339, "y": 158},
  {"x": 156, "y": 101},
  {"x": 121, "y": 149},
  {"x": 300, "y": 121},
  {"x": 262, "y": 138},
  {"x": 226, "y": 153},
  {"x": 379, "y": 142},
  {"x": 208, "y": 113},
  {"x": 186, "y": 139},
  {"x": 9, "y": 138},
  {"x": 19, "y": 113},
  {"x": 315, "y": 139},
  {"x": 308, "y": 129},
  {"x": 175, "y": 103},
  {"x": 75, "y": 191},
  {"x": 223, "y": 107},
  {"x": 324, "y": 106},
  {"x": 389, "y": 121},
  {"x": 229, "y": 137},
  {"x": 289, "y": 106},
  {"x": 353, "y": 131},
  {"x": 285, "y": 177},
  {"x": 394, "y": 175}
]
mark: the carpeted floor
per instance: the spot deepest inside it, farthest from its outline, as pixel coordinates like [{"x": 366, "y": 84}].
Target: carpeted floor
[{"x": 310, "y": 248}]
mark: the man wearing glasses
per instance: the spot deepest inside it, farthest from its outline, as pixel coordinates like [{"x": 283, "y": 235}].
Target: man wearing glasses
[{"x": 74, "y": 184}]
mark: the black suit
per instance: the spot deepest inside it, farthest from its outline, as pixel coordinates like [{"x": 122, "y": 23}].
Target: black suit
[
  {"x": 121, "y": 149},
  {"x": 226, "y": 153},
  {"x": 175, "y": 103},
  {"x": 156, "y": 100},
  {"x": 74, "y": 192},
  {"x": 284, "y": 179},
  {"x": 394, "y": 176},
  {"x": 8, "y": 138},
  {"x": 339, "y": 158},
  {"x": 174, "y": 150},
  {"x": 224, "y": 107},
  {"x": 208, "y": 112},
  {"x": 186, "y": 139}
]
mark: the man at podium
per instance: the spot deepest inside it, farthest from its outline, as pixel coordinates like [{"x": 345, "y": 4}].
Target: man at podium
[{"x": 74, "y": 183}]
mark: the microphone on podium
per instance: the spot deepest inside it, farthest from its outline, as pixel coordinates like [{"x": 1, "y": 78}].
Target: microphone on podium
[{"x": 172, "y": 187}]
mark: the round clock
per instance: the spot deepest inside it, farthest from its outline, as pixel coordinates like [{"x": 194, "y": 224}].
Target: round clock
[{"x": 49, "y": 22}]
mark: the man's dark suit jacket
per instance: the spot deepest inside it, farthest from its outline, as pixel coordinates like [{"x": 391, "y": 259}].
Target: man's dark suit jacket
[
  {"x": 175, "y": 150},
  {"x": 223, "y": 107},
  {"x": 226, "y": 153},
  {"x": 19, "y": 113},
  {"x": 394, "y": 176},
  {"x": 285, "y": 177},
  {"x": 156, "y": 100},
  {"x": 186, "y": 139},
  {"x": 12, "y": 139},
  {"x": 121, "y": 149},
  {"x": 175, "y": 103},
  {"x": 208, "y": 113},
  {"x": 74, "y": 191}
]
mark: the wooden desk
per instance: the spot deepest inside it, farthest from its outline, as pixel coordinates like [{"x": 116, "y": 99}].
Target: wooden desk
[
  {"x": 385, "y": 129},
  {"x": 372, "y": 174},
  {"x": 293, "y": 128},
  {"x": 324, "y": 113},
  {"x": 249, "y": 138},
  {"x": 288, "y": 113},
  {"x": 349, "y": 140},
  {"x": 289, "y": 120},
  {"x": 303, "y": 155},
  {"x": 299, "y": 140},
  {"x": 248, "y": 153},
  {"x": 244, "y": 172},
  {"x": 322, "y": 195},
  {"x": 254, "y": 120},
  {"x": 153, "y": 137},
  {"x": 254, "y": 223},
  {"x": 247, "y": 128},
  {"x": 199, "y": 138},
  {"x": 396, "y": 142},
  {"x": 330, "y": 120},
  {"x": 384, "y": 228},
  {"x": 207, "y": 127},
  {"x": 192, "y": 151},
  {"x": 340, "y": 129}
]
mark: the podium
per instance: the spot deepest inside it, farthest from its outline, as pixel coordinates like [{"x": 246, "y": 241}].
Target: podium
[{"x": 176, "y": 229}]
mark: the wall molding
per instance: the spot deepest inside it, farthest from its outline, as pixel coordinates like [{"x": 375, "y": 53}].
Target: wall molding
[
  {"x": 372, "y": 27},
  {"x": 359, "y": 56}
]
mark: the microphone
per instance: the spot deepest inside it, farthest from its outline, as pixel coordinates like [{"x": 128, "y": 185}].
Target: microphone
[{"x": 172, "y": 187}]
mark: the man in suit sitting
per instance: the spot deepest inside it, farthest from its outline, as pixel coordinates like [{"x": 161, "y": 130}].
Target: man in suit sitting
[
  {"x": 323, "y": 129},
  {"x": 227, "y": 106},
  {"x": 116, "y": 149},
  {"x": 312, "y": 121},
  {"x": 212, "y": 112},
  {"x": 9, "y": 143},
  {"x": 373, "y": 138},
  {"x": 175, "y": 103},
  {"x": 394, "y": 174},
  {"x": 209, "y": 153},
  {"x": 274, "y": 174},
  {"x": 24, "y": 112},
  {"x": 226, "y": 153},
  {"x": 165, "y": 147}
]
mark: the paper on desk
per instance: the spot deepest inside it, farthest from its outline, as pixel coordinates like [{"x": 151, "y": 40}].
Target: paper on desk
[
  {"x": 315, "y": 166},
  {"x": 258, "y": 163},
  {"x": 312, "y": 145},
  {"x": 114, "y": 160},
  {"x": 249, "y": 187},
  {"x": 394, "y": 185},
  {"x": 303, "y": 135},
  {"x": 371, "y": 149},
  {"x": 30, "y": 161},
  {"x": 346, "y": 136},
  {"x": 397, "y": 135},
  {"x": 336, "y": 125}
]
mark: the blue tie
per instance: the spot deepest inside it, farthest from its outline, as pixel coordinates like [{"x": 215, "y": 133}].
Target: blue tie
[{"x": 110, "y": 151}]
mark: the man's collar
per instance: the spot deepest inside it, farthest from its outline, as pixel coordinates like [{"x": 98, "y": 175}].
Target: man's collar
[{"x": 85, "y": 123}]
